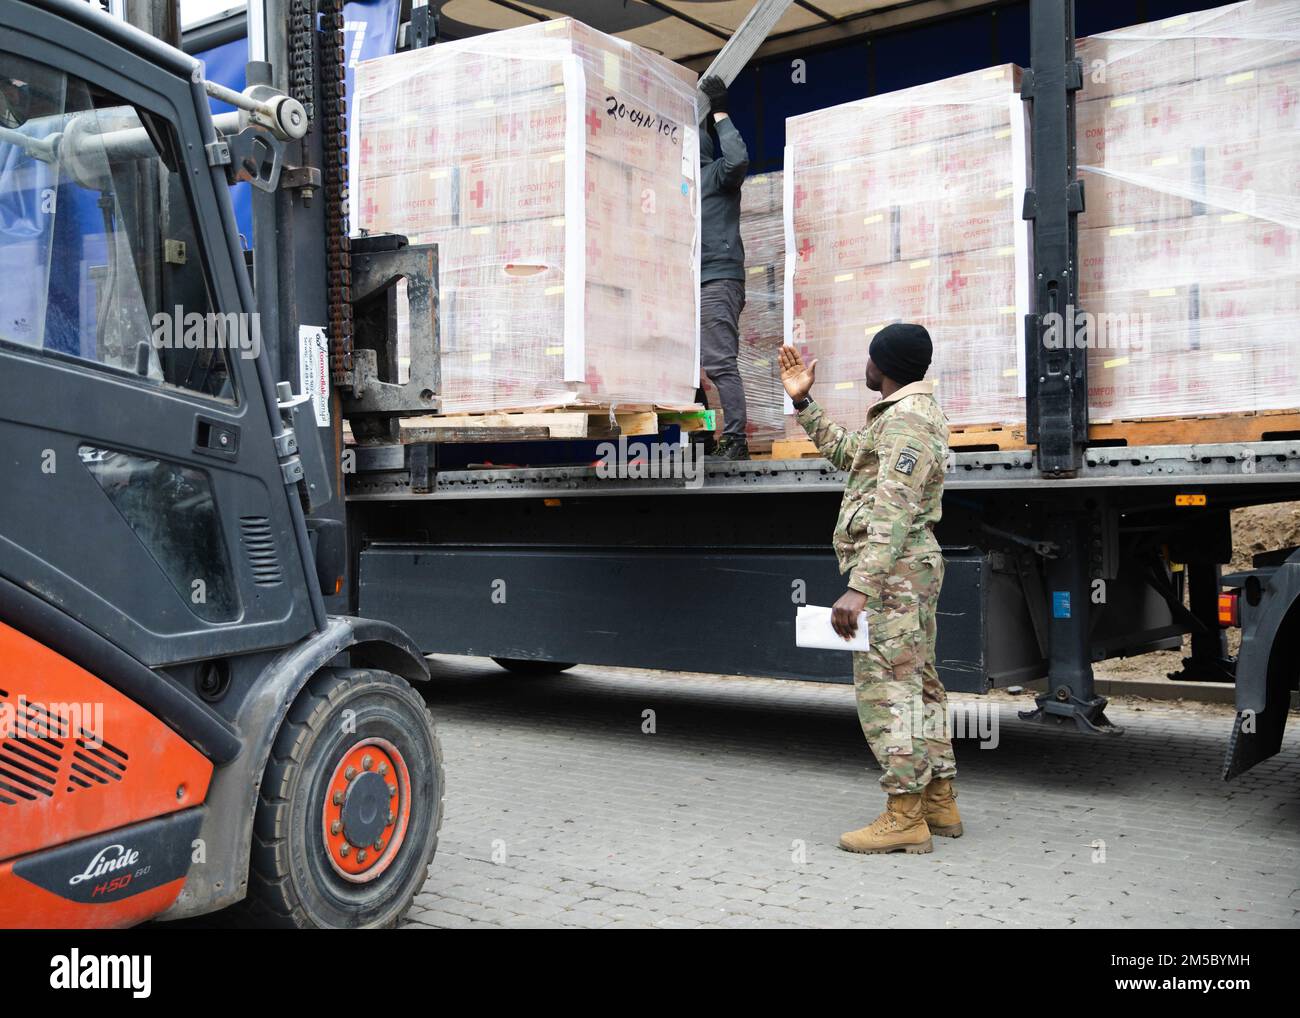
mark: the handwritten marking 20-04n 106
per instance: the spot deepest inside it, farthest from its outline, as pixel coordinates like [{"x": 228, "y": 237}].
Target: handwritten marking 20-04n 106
[{"x": 648, "y": 119}]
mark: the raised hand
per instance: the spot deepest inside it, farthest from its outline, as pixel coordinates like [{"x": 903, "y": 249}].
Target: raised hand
[
  {"x": 795, "y": 375},
  {"x": 716, "y": 89}
]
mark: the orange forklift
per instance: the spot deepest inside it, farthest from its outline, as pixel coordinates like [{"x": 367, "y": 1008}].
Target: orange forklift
[{"x": 189, "y": 722}]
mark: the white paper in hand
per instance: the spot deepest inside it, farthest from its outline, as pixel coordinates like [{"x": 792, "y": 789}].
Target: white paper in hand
[{"x": 812, "y": 628}]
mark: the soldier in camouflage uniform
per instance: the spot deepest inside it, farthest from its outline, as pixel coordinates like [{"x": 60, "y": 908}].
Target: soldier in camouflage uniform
[{"x": 884, "y": 540}]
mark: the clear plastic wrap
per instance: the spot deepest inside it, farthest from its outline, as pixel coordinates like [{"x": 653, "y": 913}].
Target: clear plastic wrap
[
  {"x": 905, "y": 207},
  {"x": 762, "y": 230},
  {"x": 762, "y": 328},
  {"x": 1189, "y": 149},
  {"x": 556, "y": 169}
]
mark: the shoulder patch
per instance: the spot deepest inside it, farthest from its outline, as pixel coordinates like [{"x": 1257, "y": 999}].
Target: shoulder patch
[{"x": 906, "y": 462}]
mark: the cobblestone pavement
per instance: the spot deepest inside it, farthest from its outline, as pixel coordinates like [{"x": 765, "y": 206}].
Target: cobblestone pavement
[{"x": 562, "y": 811}]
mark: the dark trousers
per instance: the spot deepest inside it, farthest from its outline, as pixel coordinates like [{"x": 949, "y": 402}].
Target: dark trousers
[{"x": 721, "y": 301}]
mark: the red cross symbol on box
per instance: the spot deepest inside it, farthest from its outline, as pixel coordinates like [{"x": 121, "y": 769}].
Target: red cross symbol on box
[
  {"x": 478, "y": 193},
  {"x": 593, "y": 249},
  {"x": 1279, "y": 241},
  {"x": 369, "y": 209},
  {"x": 799, "y": 195},
  {"x": 800, "y": 302},
  {"x": 805, "y": 249},
  {"x": 956, "y": 281},
  {"x": 593, "y": 121},
  {"x": 365, "y": 147},
  {"x": 1170, "y": 120},
  {"x": 872, "y": 291}
]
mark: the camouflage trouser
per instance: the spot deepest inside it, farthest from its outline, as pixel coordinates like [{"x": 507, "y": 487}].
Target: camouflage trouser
[{"x": 901, "y": 702}]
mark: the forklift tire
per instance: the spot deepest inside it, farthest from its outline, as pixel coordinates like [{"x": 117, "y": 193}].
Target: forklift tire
[
  {"x": 356, "y": 764},
  {"x": 524, "y": 666}
]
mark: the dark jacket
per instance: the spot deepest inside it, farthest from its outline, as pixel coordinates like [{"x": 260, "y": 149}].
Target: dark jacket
[{"x": 722, "y": 255}]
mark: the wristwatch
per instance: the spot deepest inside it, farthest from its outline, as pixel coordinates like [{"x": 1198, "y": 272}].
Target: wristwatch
[{"x": 801, "y": 405}]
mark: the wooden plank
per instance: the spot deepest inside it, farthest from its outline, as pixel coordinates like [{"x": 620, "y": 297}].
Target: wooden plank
[
  {"x": 559, "y": 424},
  {"x": 987, "y": 436},
  {"x": 642, "y": 422},
  {"x": 794, "y": 449},
  {"x": 453, "y": 435}
]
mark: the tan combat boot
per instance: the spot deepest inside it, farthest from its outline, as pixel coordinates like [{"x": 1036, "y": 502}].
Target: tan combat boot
[
  {"x": 940, "y": 808},
  {"x": 901, "y": 828}
]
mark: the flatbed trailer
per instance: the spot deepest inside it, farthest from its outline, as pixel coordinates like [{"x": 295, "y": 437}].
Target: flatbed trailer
[
  {"x": 1059, "y": 555},
  {"x": 561, "y": 564}
]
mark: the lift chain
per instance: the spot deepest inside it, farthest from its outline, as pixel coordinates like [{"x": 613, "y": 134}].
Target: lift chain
[
  {"x": 316, "y": 49},
  {"x": 302, "y": 83},
  {"x": 334, "y": 120}
]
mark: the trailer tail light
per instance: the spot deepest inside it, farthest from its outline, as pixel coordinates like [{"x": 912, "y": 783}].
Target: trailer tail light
[
  {"x": 1184, "y": 500},
  {"x": 1229, "y": 610}
]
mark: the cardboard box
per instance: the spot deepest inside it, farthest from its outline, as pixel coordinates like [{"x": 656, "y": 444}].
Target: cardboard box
[
  {"x": 984, "y": 100},
  {"x": 923, "y": 225},
  {"x": 557, "y": 170}
]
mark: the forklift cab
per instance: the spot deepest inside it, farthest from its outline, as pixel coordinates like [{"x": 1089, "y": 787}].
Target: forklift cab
[{"x": 156, "y": 564}]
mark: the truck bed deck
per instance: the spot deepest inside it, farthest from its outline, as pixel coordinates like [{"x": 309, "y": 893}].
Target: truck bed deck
[{"x": 384, "y": 473}]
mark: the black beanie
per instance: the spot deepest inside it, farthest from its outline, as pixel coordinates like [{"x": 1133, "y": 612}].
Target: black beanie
[{"x": 902, "y": 351}]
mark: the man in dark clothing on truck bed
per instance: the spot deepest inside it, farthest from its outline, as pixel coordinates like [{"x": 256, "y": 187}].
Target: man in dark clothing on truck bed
[{"x": 722, "y": 264}]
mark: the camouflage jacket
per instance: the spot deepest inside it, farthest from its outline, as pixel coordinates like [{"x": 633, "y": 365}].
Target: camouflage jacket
[{"x": 892, "y": 498}]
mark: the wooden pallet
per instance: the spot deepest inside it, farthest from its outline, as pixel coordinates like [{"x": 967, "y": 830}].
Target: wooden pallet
[
  {"x": 1206, "y": 429},
  {"x": 967, "y": 438},
  {"x": 569, "y": 422}
]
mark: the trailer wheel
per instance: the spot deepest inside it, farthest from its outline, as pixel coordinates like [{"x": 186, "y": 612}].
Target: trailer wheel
[
  {"x": 350, "y": 805},
  {"x": 524, "y": 666}
]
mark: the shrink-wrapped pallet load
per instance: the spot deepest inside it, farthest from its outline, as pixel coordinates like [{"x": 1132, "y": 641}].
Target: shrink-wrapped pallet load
[
  {"x": 556, "y": 168},
  {"x": 762, "y": 322},
  {"x": 905, "y": 207},
  {"x": 1189, "y": 150},
  {"x": 762, "y": 231}
]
